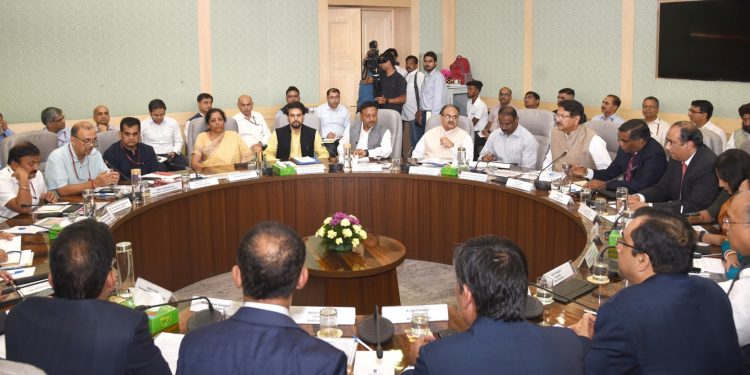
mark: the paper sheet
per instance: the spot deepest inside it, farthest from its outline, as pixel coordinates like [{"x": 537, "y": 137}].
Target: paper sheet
[
  {"x": 13, "y": 244},
  {"x": 346, "y": 344},
  {"x": 368, "y": 363},
  {"x": 22, "y": 272},
  {"x": 169, "y": 345},
  {"x": 713, "y": 265}
]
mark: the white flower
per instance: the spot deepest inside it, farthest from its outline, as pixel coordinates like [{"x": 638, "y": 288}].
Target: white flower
[
  {"x": 347, "y": 232},
  {"x": 321, "y": 232},
  {"x": 363, "y": 235},
  {"x": 357, "y": 228},
  {"x": 355, "y": 242},
  {"x": 331, "y": 234},
  {"x": 339, "y": 241},
  {"x": 327, "y": 220},
  {"x": 345, "y": 223}
]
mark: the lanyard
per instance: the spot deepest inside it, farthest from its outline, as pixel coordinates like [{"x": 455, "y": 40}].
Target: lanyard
[
  {"x": 137, "y": 161},
  {"x": 73, "y": 161}
]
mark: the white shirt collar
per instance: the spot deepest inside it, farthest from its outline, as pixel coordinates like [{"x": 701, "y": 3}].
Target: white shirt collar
[{"x": 268, "y": 307}]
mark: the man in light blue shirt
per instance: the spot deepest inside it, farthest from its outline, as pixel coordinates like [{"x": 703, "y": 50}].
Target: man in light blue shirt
[
  {"x": 434, "y": 94},
  {"x": 334, "y": 119},
  {"x": 54, "y": 122},
  {"x": 77, "y": 165},
  {"x": 512, "y": 143},
  {"x": 5, "y": 131},
  {"x": 610, "y": 105}
]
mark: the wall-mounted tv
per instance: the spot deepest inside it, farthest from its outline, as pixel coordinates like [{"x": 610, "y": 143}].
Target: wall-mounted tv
[{"x": 704, "y": 40}]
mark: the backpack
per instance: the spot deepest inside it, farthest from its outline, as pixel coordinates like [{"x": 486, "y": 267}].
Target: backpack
[{"x": 461, "y": 69}]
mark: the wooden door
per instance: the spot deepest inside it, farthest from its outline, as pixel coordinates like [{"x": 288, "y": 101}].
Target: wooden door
[{"x": 344, "y": 50}]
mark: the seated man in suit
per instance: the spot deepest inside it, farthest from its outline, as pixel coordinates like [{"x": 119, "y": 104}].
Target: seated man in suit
[
  {"x": 295, "y": 139},
  {"x": 512, "y": 144},
  {"x": 261, "y": 338},
  {"x": 21, "y": 184},
  {"x": 640, "y": 161},
  {"x": 366, "y": 137},
  {"x": 129, "y": 153},
  {"x": 736, "y": 223},
  {"x": 442, "y": 142},
  {"x": 580, "y": 143},
  {"x": 79, "y": 331},
  {"x": 491, "y": 296},
  {"x": 77, "y": 165},
  {"x": 665, "y": 322},
  {"x": 689, "y": 183}
]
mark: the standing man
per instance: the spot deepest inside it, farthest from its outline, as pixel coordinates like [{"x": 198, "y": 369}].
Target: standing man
[
  {"x": 163, "y": 134},
  {"x": 580, "y": 143},
  {"x": 434, "y": 94},
  {"x": 295, "y": 139},
  {"x": 129, "y": 153},
  {"x": 392, "y": 85},
  {"x": 743, "y": 133},
  {"x": 205, "y": 102},
  {"x": 476, "y": 111},
  {"x": 512, "y": 144},
  {"x": 504, "y": 96},
  {"x": 334, "y": 120},
  {"x": 76, "y": 166},
  {"x": 54, "y": 122},
  {"x": 101, "y": 119},
  {"x": 22, "y": 186},
  {"x": 658, "y": 127},
  {"x": 79, "y": 331},
  {"x": 610, "y": 104},
  {"x": 665, "y": 322},
  {"x": 442, "y": 142},
  {"x": 396, "y": 64},
  {"x": 492, "y": 278},
  {"x": 251, "y": 125},
  {"x": 414, "y": 129},
  {"x": 531, "y": 100},
  {"x": 689, "y": 183},
  {"x": 367, "y": 137},
  {"x": 261, "y": 337},
  {"x": 700, "y": 113}
]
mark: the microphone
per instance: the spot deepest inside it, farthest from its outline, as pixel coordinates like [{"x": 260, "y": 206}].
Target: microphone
[
  {"x": 197, "y": 320},
  {"x": 629, "y": 170},
  {"x": 376, "y": 330},
  {"x": 546, "y": 185},
  {"x": 123, "y": 176},
  {"x": 25, "y": 224},
  {"x": 25, "y": 282},
  {"x": 379, "y": 348}
]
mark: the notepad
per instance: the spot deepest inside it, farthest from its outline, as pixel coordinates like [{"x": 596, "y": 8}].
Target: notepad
[{"x": 169, "y": 345}]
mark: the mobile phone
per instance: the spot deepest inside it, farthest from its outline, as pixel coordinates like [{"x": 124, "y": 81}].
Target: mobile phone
[{"x": 446, "y": 332}]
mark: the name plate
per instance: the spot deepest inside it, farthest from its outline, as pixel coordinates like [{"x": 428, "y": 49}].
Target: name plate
[
  {"x": 203, "y": 183},
  {"x": 587, "y": 212},
  {"x": 402, "y": 314},
  {"x": 108, "y": 218},
  {"x": 591, "y": 253},
  {"x": 166, "y": 189},
  {"x": 520, "y": 185},
  {"x": 227, "y": 305},
  {"x": 148, "y": 293},
  {"x": 560, "y": 273},
  {"x": 473, "y": 176},
  {"x": 311, "y": 169},
  {"x": 119, "y": 205},
  {"x": 240, "y": 176},
  {"x": 367, "y": 167},
  {"x": 311, "y": 314},
  {"x": 561, "y": 198},
  {"x": 424, "y": 171}
]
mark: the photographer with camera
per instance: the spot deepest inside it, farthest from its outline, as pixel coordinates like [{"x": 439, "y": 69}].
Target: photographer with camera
[{"x": 392, "y": 85}]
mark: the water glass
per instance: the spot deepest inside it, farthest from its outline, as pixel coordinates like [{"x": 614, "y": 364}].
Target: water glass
[
  {"x": 329, "y": 327},
  {"x": 600, "y": 271},
  {"x": 124, "y": 275},
  {"x": 89, "y": 206},
  {"x": 185, "y": 179},
  {"x": 621, "y": 199},
  {"x": 585, "y": 195},
  {"x": 565, "y": 188},
  {"x": 544, "y": 290},
  {"x": 601, "y": 205},
  {"x": 420, "y": 322},
  {"x": 395, "y": 165},
  {"x": 555, "y": 185}
]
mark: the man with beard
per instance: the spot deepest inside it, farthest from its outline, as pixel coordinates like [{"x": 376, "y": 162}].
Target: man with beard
[
  {"x": 512, "y": 144},
  {"x": 295, "y": 140},
  {"x": 742, "y": 134},
  {"x": 21, "y": 186}
]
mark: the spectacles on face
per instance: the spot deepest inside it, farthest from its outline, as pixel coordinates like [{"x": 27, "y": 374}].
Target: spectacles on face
[
  {"x": 450, "y": 117},
  {"x": 562, "y": 117},
  {"x": 88, "y": 142},
  {"x": 503, "y": 94},
  {"x": 694, "y": 112},
  {"x": 728, "y": 221},
  {"x": 623, "y": 243}
]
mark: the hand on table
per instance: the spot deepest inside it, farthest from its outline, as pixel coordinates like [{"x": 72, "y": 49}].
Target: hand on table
[
  {"x": 361, "y": 153},
  {"x": 595, "y": 184},
  {"x": 107, "y": 178},
  {"x": 578, "y": 170},
  {"x": 488, "y": 157},
  {"x": 634, "y": 202},
  {"x": 585, "y": 326},
  {"x": 416, "y": 345}
]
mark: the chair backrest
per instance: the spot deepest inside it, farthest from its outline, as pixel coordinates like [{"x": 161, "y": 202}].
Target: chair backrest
[
  {"x": 463, "y": 123},
  {"x": 538, "y": 122},
  {"x": 745, "y": 146},
  {"x": 608, "y": 132},
  {"x": 713, "y": 141},
  {"x": 390, "y": 120},
  {"x": 45, "y": 141},
  {"x": 198, "y": 125},
  {"x": 106, "y": 139},
  {"x": 12, "y": 367}
]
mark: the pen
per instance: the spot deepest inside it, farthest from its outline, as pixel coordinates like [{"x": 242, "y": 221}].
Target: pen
[
  {"x": 590, "y": 312},
  {"x": 362, "y": 343},
  {"x": 16, "y": 272}
]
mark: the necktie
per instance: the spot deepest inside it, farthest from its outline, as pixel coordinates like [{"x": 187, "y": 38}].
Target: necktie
[
  {"x": 682, "y": 181},
  {"x": 629, "y": 175}
]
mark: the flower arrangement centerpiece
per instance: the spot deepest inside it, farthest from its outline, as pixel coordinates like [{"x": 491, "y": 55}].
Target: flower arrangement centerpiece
[{"x": 341, "y": 232}]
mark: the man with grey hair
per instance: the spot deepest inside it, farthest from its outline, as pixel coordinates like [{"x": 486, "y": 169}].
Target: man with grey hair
[
  {"x": 78, "y": 165},
  {"x": 53, "y": 119},
  {"x": 5, "y": 131},
  {"x": 101, "y": 119}
]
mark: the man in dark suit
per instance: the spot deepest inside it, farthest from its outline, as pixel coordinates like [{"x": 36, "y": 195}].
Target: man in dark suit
[
  {"x": 689, "y": 183},
  {"x": 261, "y": 338},
  {"x": 295, "y": 140},
  {"x": 640, "y": 161},
  {"x": 78, "y": 331},
  {"x": 666, "y": 322},
  {"x": 492, "y": 285}
]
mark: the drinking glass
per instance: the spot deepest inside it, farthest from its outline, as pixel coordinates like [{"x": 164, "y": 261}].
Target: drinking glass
[
  {"x": 328, "y": 323},
  {"x": 544, "y": 290},
  {"x": 395, "y": 165},
  {"x": 89, "y": 206},
  {"x": 420, "y": 323},
  {"x": 621, "y": 199},
  {"x": 185, "y": 179},
  {"x": 555, "y": 185},
  {"x": 600, "y": 275},
  {"x": 601, "y": 205},
  {"x": 585, "y": 195}
]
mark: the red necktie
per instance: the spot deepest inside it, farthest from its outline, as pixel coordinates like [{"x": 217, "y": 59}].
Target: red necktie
[
  {"x": 684, "y": 169},
  {"x": 629, "y": 175}
]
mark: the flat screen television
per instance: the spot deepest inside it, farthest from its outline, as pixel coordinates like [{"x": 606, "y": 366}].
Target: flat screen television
[{"x": 704, "y": 40}]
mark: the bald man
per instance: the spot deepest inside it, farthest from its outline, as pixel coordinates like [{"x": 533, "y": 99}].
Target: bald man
[
  {"x": 251, "y": 125},
  {"x": 101, "y": 119}
]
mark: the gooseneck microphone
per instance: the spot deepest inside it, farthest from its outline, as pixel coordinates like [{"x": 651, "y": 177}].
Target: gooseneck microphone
[
  {"x": 24, "y": 282},
  {"x": 379, "y": 348},
  {"x": 197, "y": 320},
  {"x": 146, "y": 307},
  {"x": 546, "y": 185},
  {"x": 629, "y": 170},
  {"x": 126, "y": 178}
]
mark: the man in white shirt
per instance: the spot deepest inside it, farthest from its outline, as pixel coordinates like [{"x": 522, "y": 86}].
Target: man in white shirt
[
  {"x": 334, "y": 120},
  {"x": 531, "y": 100},
  {"x": 367, "y": 138},
  {"x": 512, "y": 144},
  {"x": 476, "y": 111},
  {"x": 742, "y": 134},
  {"x": 54, "y": 122},
  {"x": 251, "y": 125},
  {"x": 504, "y": 96},
  {"x": 434, "y": 93},
  {"x": 610, "y": 104},
  {"x": 658, "y": 127},
  {"x": 205, "y": 102},
  {"x": 442, "y": 142},
  {"x": 736, "y": 224},
  {"x": 21, "y": 184},
  {"x": 101, "y": 119},
  {"x": 700, "y": 113},
  {"x": 163, "y": 134},
  {"x": 413, "y": 131}
]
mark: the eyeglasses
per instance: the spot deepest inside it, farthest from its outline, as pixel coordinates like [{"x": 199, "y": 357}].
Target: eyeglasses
[
  {"x": 727, "y": 221},
  {"x": 694, "y": 112},
  {"x": 450, "y": 117},
  {"x": 504, "y": 94},
  {"x": 92, "y": 141},
  {"x": 562, "y": 117},
  {"x": 623, "y": 243}
]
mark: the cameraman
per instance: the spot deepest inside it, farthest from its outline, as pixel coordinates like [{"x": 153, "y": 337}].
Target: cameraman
[{"x": 392, "y": 85}]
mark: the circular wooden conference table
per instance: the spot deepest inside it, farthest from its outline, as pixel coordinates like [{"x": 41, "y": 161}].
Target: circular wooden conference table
[{"x": 186, "y": 237}]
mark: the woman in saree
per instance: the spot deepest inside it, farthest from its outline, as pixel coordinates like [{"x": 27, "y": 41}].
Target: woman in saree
[{"x": 217, "y": 146}]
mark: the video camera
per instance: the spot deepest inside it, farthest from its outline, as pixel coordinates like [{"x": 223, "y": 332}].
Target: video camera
[{"x": 370, "y": 65}]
